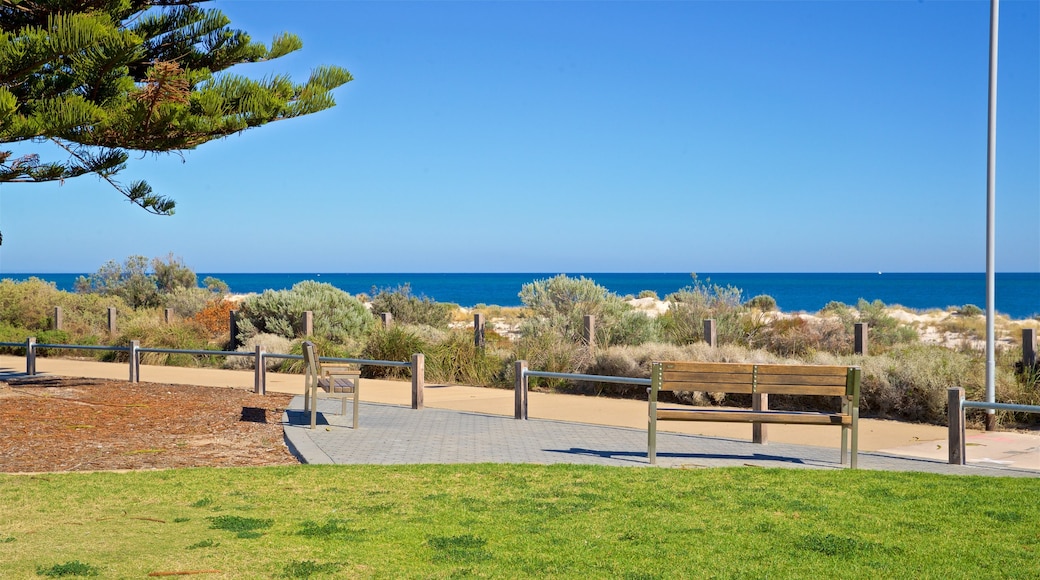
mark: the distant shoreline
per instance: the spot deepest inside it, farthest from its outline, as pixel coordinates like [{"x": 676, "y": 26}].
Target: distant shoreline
[{"x": 1017, "y": 293}]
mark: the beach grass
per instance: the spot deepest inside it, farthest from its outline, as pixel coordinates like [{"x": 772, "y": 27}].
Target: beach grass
[{"x": 440, "y": 521}]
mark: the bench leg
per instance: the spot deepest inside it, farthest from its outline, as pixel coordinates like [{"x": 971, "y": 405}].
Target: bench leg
[
  {"x": 314, "y": 407},
  {"x": 855, "y": 436},
  {"x": 651, "y": 442},
  {"x": 356, "y": 389},
  {"x": 844, "y": 444}
]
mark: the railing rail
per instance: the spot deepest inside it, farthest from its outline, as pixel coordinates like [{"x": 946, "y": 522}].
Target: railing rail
[
  {"x": 523, "y": 376},
  {"x": 417, "y": 364},
  {"x": 956, "y": 404}
]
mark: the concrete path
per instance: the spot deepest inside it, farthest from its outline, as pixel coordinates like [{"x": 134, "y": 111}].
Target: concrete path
[{"x": 463, "y": 424}]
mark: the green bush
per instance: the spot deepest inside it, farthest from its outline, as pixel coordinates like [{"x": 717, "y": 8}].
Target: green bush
[
  {"x": 763, "y": 302},
  {"x": 969, "y": 310},
  {"x": 29, "y": 304},
  {"x": 337, "y": 315},
  {"x": 559, "y": 305},
  {"x": 883, "y": 329},
  {"x": 692, "y": 305},
  {"x": 456, "y": 359},
  {"x": 797, "y": 336},
  {"x": 546, "y": 351},
  {"x": 397, "y": 343},
  {"x": 409, "y": 309}
]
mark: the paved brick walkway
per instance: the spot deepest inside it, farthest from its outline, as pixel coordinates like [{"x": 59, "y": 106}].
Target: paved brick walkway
[{"x": 392, "y": 434}]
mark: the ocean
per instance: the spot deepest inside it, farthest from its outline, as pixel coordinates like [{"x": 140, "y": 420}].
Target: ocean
[{"x": 1017, "y": 294}]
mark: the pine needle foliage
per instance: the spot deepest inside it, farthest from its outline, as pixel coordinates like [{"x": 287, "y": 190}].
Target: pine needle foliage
[{"x": 102, "y": 78}]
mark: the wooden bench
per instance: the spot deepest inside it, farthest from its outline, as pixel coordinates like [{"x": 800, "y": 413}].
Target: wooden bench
[
  {"x": 759, "y": 381},
  {"x": 339, "y": 381}
]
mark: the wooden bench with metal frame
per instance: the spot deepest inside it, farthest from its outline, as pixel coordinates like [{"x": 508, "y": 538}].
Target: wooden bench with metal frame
[
  {"x": 759, "y": 381},
  {"x": 338, "y": 381}
]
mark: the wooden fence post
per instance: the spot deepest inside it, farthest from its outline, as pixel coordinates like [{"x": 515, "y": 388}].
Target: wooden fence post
[
  {"x": 168, "y": 315},
  {"x": 955, "y": 423},
  {"x": 308, "y": 323},
  {"x": 233, "y": 329},
  {"x": 135, "y": 361},
  {"x": 260, "y": 372},
  {"x": 418, "y": 379},
  {"x": 711, "y": 335},
  {"x": 478, "y": 330},
  {"x": 1028, "y": 348},
  {"x": 520, "y": 390},
  {"x": 30, "y": 356},
  {"x": 111, "y": 321},
  {"x": 387, "y": 319},
  {"x": 589, "y": 331},
  {"x": 59, "y": 319},
  {"x": 860, "y": 346}
]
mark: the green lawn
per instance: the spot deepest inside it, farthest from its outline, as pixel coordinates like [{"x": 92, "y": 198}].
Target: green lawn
[{"x": 505, "y": 521}]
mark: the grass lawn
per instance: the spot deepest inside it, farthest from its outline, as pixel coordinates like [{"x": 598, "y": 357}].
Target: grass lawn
[{"x": 506, "y": 521}]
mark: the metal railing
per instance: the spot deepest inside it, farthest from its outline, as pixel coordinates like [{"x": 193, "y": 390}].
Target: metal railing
[
  {"x": 955, "y": 414},
  {"x": 523, "y": 376},
  {"x": 417, "y": 364}
]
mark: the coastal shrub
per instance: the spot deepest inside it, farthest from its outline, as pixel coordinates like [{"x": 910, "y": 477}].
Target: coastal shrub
[
  {"x": 798, "y": 336},
  {"x": 648, "y": 294},
  {"x": 9, "y": 333},
  {"x": 883, "y": 328},
  {"x": 148, "y": 328},
  {"x": 130, "y": 281},
  {"x": 86, "y": 315},
  {"x": 186, "y": 302},
  {"x": 397, "y": 343},
  {"x": 969, "y": 310},
  {"x": 29, "y": 304},
  {"x": 559, "y": 305},
  {"x": 691, "y": 306},
  {"x": 909, "y": 382},
  {"x": 456, "y": 359},
  {"x": 272, "y": 343},
  {"x": 407, "y": 308},
  {"x": 215, "y": 317},
  {"x": 632, "y": 327},
  {"x": 337, "y": 315},
  {"x": 763, "y": 302},
  {"x": 551, "y": 352}
]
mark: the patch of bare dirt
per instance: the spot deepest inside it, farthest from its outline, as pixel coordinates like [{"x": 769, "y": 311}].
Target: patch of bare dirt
[{"x": 71, "y": 424}]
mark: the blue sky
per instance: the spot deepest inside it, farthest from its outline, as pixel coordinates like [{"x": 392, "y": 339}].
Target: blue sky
[{"x": 595, "y": 137}]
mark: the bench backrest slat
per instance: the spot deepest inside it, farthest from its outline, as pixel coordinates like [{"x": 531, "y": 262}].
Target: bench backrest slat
[{"x": 741, "y": 378}]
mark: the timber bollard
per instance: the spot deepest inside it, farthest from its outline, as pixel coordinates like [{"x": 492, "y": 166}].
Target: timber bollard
[
  {"x": 30, "y": 356},
  {"x": 955, "y": 423},
  {"x": 520, "y": 390},
  {"x": 860, "y": 341},
  {"x": 478, "y": 330},
  {"x": 260, "y": 372},
  {"x": 1028, "y": 348},
  {"x": 418, "y": 379},
  {"x": 711, "y": 334}
]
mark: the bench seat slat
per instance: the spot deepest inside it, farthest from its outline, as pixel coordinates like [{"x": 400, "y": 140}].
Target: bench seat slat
[{"x": 743, "y": 416}]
